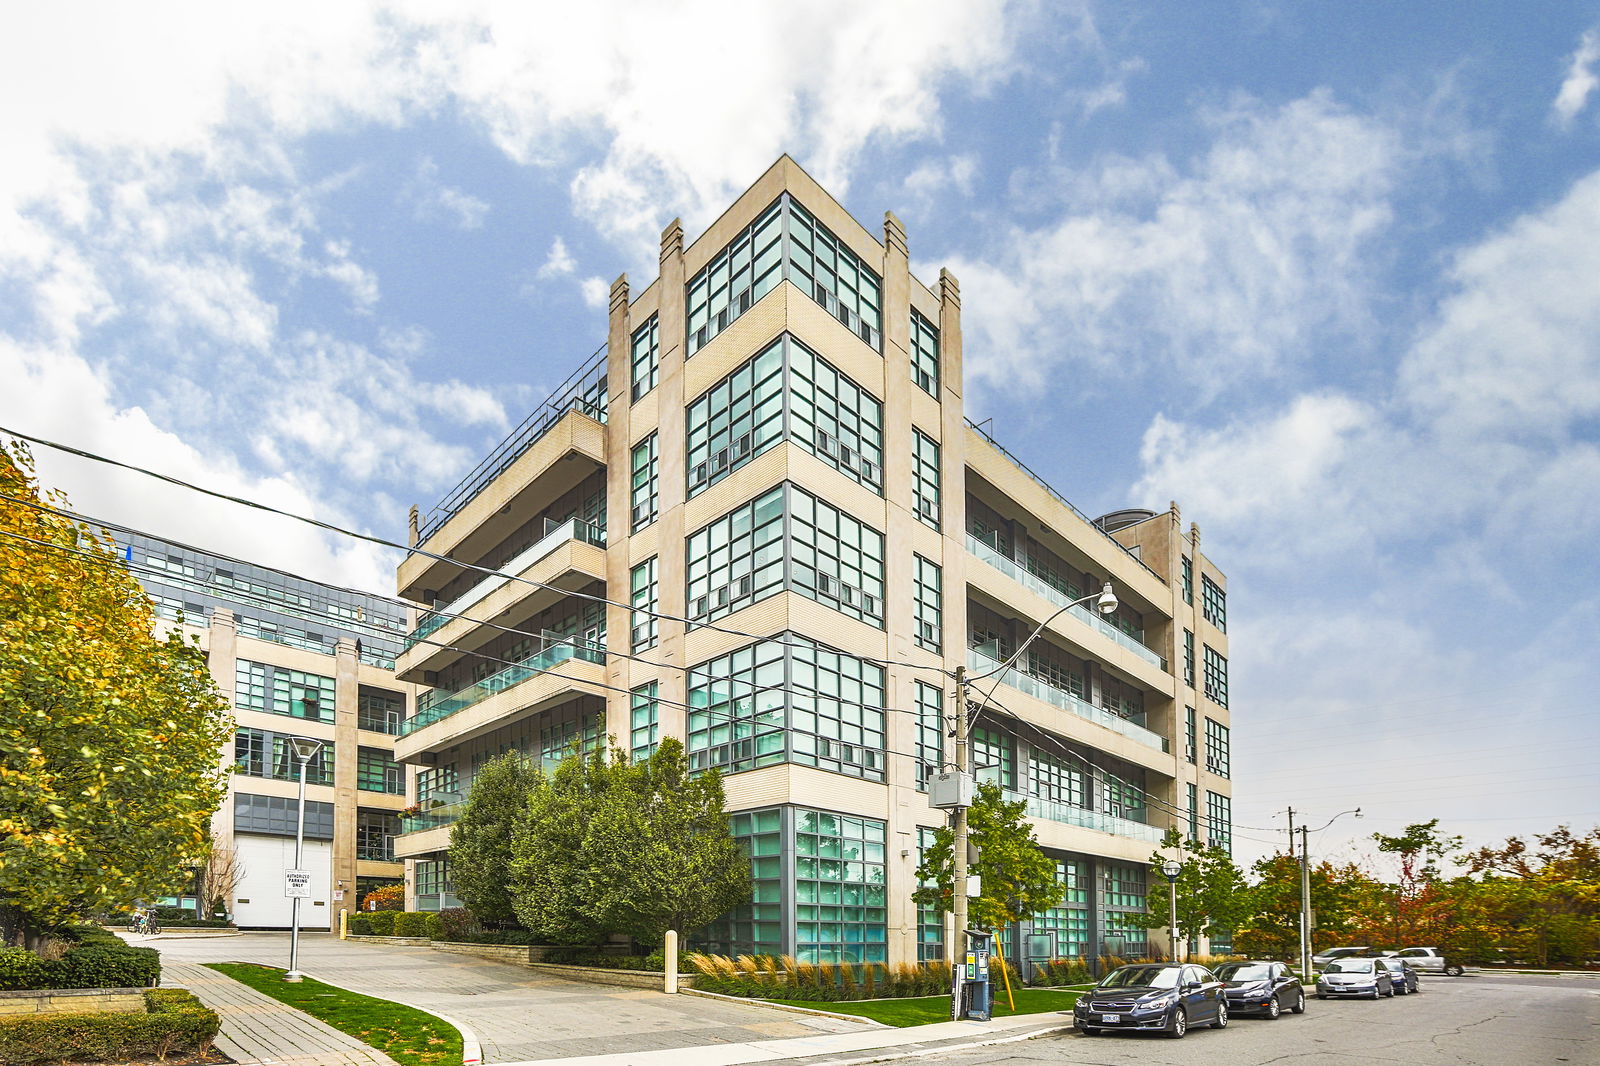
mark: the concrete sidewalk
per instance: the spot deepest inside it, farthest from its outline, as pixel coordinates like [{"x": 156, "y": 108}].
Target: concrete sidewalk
[{"x": 873, "y": 1045}]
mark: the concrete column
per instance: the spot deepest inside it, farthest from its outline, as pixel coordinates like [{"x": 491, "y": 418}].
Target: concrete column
[
  {"x": 953, "y": 470},
  {"x": 346, "y": 742},
  {"x": 670, "y": 567},
  {"x": 619, "y": 341}
]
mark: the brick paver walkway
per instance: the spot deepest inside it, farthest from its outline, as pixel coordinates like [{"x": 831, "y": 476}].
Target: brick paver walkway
[
  {"x": 517, "y": 1014},
  {"x": 258, "y": 1029}
]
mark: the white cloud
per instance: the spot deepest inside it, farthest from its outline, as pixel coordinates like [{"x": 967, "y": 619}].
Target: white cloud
[
  {"x": 431, "y": 200},
  {"x": 1223, "y": 269},
  {"x": 1580, "y": 81},
  {"x": 559, "y": 262},
  {"x": 596, "y": 293}
]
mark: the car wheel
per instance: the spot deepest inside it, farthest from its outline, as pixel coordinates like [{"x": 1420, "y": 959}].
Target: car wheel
[
  {"x": 1299, "y": 1003},
  {"x": 1453, "y": 970},
  {"x": 1389, "y": 994},
  {"x": 1274, "y": 1008},
  {"x": 1180, "y": 1024},
  {"x": 1222, "y": 1016}
]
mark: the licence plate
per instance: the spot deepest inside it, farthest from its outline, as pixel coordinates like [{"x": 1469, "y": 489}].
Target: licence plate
[{"x": 1111, "y": 1017}]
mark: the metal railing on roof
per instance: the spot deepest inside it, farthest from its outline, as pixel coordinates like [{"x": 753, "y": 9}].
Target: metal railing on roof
[
  {"x": 584, "y": 390},
  {"x": 1068, "y": 504}
]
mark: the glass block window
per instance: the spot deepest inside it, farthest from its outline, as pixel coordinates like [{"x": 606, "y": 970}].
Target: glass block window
[
  {"x": 930, "y": 923},
  {"x": 645, "y": 488},
  {"x": 380, "y": 711},
  {"x": 993, "y": 757},
  {"x": 839, "y": 888},
  {"x": 824, "y": 268},
  {"x": 276, "y": 690},
  {"x": 930, "y": 732},
  {"x": 834, "y": 418},
  {"x": 1057, "y": 779},
  {"x": 737, "y": 559},
  {"x": 834, "y": 558},
  {"x": 258, "y": 753},
  {"x": 1219, "y": 821},
  {"x": 1188, "y": 580},
  {"x": 643, "y": 594},
  {"x": 376, "y": 771},
  {"x": 375, "y": 833},
  {"x": 1217, "y": 756},
  {"x": 645, "y": 721},
  {"x": 925, "y": 354},
  {"x": 1188, "y": 657},
  {"x": 1194, "y": 812},
  {"x": 925, "y": 478},
  {"x": 1216, "y": 688},
  {"x": 1213, "y": 603},
  {"x": 796, "y": 701},
  {"x": 1190, "y": 741},
  {"x": 929, "y": 605},
  {"x": 754, "y": 928},
  {"x": 645, "y": 356},
  {"x": 746, "y": 270},
  {"x": 277, "y": 816},
  {"x": 737, "y": 419}
]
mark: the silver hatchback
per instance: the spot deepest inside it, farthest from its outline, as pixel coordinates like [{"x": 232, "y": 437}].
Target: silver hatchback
[{"x": 1349, "y": 978}]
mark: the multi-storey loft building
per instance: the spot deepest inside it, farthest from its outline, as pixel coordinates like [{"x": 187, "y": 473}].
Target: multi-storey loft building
[
  {"x": 294, "y": 658},
  {"x": 759, "y": 521}
]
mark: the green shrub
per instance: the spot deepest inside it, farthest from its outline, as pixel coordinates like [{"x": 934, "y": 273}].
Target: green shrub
[
  {"x": 174, "y": 1022},
  {"x": 455, "y": 923},
  {"x": 434, "y": 926},
  {"x": 409, "y": 923},
  {"x": 359, "y": 925},
  {"x": 382, "y": 922},
  {"x": 20, "y": 968},
  {"x": 89, "y": 965},
  {"x": 518, "y": 937}
]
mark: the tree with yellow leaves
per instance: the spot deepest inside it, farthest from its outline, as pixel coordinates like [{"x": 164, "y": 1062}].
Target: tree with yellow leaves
[{"x": 109, "y": 733}]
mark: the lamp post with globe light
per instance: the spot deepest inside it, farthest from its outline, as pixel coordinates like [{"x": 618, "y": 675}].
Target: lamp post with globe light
[
  {"x": 1172, "y": 868},
  {"x": 305, "y": 750}
]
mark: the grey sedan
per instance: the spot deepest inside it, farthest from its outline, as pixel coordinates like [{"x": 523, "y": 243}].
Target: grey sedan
[{"x": 1354, "y": 977}]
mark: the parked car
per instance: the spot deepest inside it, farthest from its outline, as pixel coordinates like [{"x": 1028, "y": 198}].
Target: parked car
[
  {"x": 1429, "y": 960},
  {"x": 1322, "y": 958},
  {"x": 1268, "y": 988},
  {"x": 1354, "y": 977},
  {"x": 1154, "y": 997},
  {"x": 1401, "y": 975}
]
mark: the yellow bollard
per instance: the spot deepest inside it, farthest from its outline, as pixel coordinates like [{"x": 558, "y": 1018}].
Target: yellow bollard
[
  {"x": 344, "y": 923},
  {"x": 671, "y": 967},
  {"x": 1005, "y": 975}
]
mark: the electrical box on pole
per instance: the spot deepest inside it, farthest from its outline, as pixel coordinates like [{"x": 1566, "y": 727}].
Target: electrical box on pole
[{"x": 952, "y": 790}]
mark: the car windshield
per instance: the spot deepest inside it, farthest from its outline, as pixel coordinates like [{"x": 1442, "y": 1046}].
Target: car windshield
[
  {"x": 1244, "y": 971},
  {"x": 1143, "y": 977},
  {"x": 1350, "y": 966},
  {"x": 1392, "y": 964}
]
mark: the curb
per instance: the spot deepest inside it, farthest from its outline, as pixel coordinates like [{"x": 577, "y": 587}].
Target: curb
[
  {"x": 890, "y": 1056},
  {"x": 471, "y": 1049},
  {"x": 785, "y": 1007}
]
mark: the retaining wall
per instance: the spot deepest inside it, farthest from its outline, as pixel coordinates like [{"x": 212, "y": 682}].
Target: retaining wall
[{"x": 71, "y": 1001}]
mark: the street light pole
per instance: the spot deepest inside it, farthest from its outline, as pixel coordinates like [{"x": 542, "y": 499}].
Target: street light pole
[
  {"x": 1305, "y": 888},
  {"x": 304, "y": 750},
  {"x": 1172, "y": 868},
  {"x": 958, "y": 853}
]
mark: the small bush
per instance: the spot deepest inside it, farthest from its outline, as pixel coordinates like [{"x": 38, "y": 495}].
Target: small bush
[
  {"x": 387, "y": 898},
  {"x": 434, "y": 926},
  {"x": 455, "y": 923},
  {"x": 174, "y": 1021},
  {"x": 359, "y": 925},
  {"x": 518, "y": 937},
  {"x": 87, "y": 965},
  {"x": 410, "y": 923},
  {"x": 382, "y": 922}
]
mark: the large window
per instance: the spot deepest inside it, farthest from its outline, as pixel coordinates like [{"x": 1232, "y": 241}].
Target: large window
[
  {"x": 1219, "y": 821},
  {"x": 827, "y": 555},
  {"x": 276, "y": 690},
  {"x": 645, "y": 356},
  {"x": 278, "y": 815},
  {"x": 746, "y": 270},
  {"x": 643, "y": 596},
  {"x": 993, "y": 757},
  {"x": 376, "y": 771},
  {"x": 1194, "y": 812},
  {"x": 785, "y": 391},
  {"x": 754, "y": 928},
  {"x": 258, "y": 753},
  {"x": 1216, "y": 677},
  {"x": 577, "y": 731},
  {"x": 380, "y": 711},
  {"x": 925, "y": 477},
  {"x": 784, "y": 242},
  {"x": 929, "y": 604},
  {"x": 796, "y": 701},
  {"x": 930, "y": 732},
  {"x": 1067, "y": 924},
  {"x": 1190, "y": 740},
  {"x": 1056, "y": 779},
  {"x": 1188, "y": 657},
  {"x": 1217, "y": 756},
  {"x": 1122, "y": 798},
  {"x": 646, "y": 482},
  {"x": 375, "y": 833},
  {"x": 930, "y": 923},
  {"x": 434, "y": 888},
  {"x": 1188, "y": 581},
  {"x": 1213, "y": 603},
  {"x": 645, "y": 721},
  {"x": 925, "y": 354},
  {"x": 839, "y": 888}
]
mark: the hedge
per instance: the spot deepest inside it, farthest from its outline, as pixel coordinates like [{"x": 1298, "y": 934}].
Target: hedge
[
  {"x": 772, "y": 977},
  {"x": 174, "y": 1022},
  {"x": 409, "y": 923},
  {"x": 89, "y": 965}
]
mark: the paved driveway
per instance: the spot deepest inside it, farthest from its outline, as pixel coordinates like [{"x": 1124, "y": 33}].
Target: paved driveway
[{"x": 517, "y": 1014}]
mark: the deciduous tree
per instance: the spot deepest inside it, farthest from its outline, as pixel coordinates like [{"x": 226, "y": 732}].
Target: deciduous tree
[
  {"x": 481, "y": 840},
  {"x": 1211, "y": 890},
  {"x": 1017, "y": 879}
]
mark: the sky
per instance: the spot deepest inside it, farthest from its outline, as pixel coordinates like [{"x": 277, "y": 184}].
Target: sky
[{"x": 1327, "y": 274}]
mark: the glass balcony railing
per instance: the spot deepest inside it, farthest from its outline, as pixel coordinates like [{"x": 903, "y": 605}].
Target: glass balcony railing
[
  {"x": 571, "y": 529},
  {"x": 432, "y": 818},
  {"x": 1065, "y": 813},
  {"x": 431, "y": 711},
  {"x": 981, "y": 664},
  {"x": 1083, "y": 612}
]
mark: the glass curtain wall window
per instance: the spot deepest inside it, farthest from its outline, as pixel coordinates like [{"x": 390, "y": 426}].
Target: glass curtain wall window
[
  {"x": 1194, "y": 812},
  {"x": 839, "y": 888},
  {"x": 929, "y": 605},
  {"x": 1217, "y": 754},
  {"x": 1213, "y": 603},
  {"x": 755, "y": 927},
  {"x": 643, "y": 593},
  {"x": 376, "y": 771},
  {"x": 1067, "y": 923},
  {"x": 925, "y": 478},
  {"x": 1188, "y": 657},
  {"x": 784, "y": 392},
  {"x": 1057, "y": 779},
  {"x": 930, "y": 732},
  {"x": 993, "y": 757},
  {"x": 646, "y": 357},
  {"x": 796, "y": 701},
  {"x": 645, "y": 721},
  {"x": 930, "y": 923},
  {"x": 785, "y": 241},
  {"x": 1216, "y": 687},
  {"x": 258, "y": 753},
  {"x": 277, "y": 690},
  {"x": 1190, "y": 741},
  {"x": 925, "y": 354},
  {"x": 1188, "y": 581},
  {"x": 645, "y": 488},
  {"x": 380, "y": 711},
  {"x": 375, "y": 833},
  {"x": 1219, "y": 821}
]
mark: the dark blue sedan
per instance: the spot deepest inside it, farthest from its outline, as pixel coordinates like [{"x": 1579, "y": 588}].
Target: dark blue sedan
[{"x": 1153, "y": 997}]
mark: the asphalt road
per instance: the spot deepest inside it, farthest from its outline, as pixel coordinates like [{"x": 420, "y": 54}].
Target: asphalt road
[{"x": 1477, "y": 1020}]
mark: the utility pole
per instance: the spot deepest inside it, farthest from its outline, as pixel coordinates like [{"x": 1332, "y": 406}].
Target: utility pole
[
  {"x": 1291, "y": 832},
  {"x": 958, "y": 848},
  {"x": 1305, "y": 904}
]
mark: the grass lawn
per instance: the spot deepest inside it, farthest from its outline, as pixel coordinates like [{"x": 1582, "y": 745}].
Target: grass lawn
[
  {"x": 407, "y": 1035},
  {"x": 904, "y": 1012}
]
